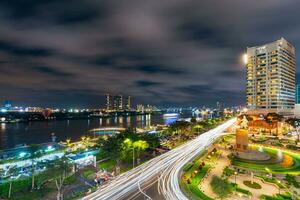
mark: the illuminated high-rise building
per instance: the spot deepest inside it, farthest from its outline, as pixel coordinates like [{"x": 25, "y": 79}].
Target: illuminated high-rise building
[
  {"x": 118, "y": 102},
  {"x": 7, "y": 104},
  {"x": 128, "y": 103},
  {"x": 271, "y": 78},
  {"x": 108, "y": 101},
  {"x": 297, "y": 92}
]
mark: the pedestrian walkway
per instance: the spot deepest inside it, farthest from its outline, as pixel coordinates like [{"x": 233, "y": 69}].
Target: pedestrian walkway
[
  {"x": 216, "y": 170},
  {"x": 267, "y": 188}
]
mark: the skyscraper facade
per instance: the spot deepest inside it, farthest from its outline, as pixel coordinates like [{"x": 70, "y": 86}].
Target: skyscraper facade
[
  {"x": 128, "y": 103},
  {"x": 108, "y": 102},
  {"x": 271, "y": 78},
  {"x": 297, "y": 92},
  {"x": 118, "y": 102}
]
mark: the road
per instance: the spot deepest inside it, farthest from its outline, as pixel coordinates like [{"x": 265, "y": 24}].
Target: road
[{"x": 165, "y": 169}]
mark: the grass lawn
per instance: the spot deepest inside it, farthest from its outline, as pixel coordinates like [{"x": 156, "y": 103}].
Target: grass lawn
[
  {"x": 276, "y": 197},
  {"x": 192, "y": 189},
  {"x": 190, "y": 180},
  {"x": 272, "y": 180},
  {"x": 89, "y": 173},
  {"x": 242, "y": 191},
  {"x": 42, "y": 193},
  {"x": 273, "y": 164},
  {"x": 107, "y": 165}
]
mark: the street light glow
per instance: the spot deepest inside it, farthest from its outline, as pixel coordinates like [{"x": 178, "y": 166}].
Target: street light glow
[{"x": 245, "y": 59}]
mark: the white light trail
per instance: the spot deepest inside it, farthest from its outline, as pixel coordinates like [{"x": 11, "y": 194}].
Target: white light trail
[{"x": 169, "y": 165}]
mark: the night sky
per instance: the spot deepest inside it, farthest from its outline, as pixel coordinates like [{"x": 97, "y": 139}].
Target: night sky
[{"x": 165, "y": 52}]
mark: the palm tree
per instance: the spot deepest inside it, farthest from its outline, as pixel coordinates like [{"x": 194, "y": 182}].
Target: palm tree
[
  {"x": 34, "y": 151},
  {"x": 68, "y": 142},
  {"x": 140, "y": 145},
  {"x": 11, "y": 171}
]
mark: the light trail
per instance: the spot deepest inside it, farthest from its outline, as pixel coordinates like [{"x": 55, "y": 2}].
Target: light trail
[{"x": 168, "y": 165}]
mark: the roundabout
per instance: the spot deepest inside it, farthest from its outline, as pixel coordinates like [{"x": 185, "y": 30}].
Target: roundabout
[{"x": 279, "y": 162}]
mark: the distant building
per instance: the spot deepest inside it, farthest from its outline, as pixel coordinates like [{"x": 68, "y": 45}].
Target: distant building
[
  {"x": 128, "y": 103},
  {"x": 108, "y": 102},
  {"x": 118, "y": 102},
  {"x": 271, "y": 78},
  {"x": 7, "y": 104},
  {"x": 140, "y": 108},
  {"x": 220, "y": 109}
]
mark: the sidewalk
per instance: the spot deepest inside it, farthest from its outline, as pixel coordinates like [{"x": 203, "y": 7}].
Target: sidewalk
[
  {"x": 216, "y": 170},
  {"x": 268, "y": 189}
]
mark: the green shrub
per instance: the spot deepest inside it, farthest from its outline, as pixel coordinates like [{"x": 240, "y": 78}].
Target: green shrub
[
  {"x": 292, "y": 181},
  {"x": 243, "y": 191},
  {"x": 276, "y": 197},
  {"x": 222, "y": 188},
  {"x": 228, "y": 172},
  {"x": 253, "y": 185},
  {"x": 188, "y": 166}
]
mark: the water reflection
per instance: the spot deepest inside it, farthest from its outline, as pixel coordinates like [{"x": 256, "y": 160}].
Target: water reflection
[
  {"x": 128, "y": 121},
  {"x": 148, "y": 120},
  {"x": 107, "y": 121},
  {"x": 3, "y": 126},
  {"x": 40, "y": 131},
  {"x": 121, "y": 120}
]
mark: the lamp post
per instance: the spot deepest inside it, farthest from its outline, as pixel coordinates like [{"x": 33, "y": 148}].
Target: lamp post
[
  {"x": 269, "y": 171},
  {"x": 279, "y": 186},
  {"x": 235, "y": 173},
  {"x": 132, "y": 157}
]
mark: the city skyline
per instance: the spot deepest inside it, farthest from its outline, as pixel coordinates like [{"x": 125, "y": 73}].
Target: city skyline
[{"x": 158, "y": 53}]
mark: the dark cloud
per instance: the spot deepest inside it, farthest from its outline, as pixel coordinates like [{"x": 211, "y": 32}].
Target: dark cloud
[
  {"x": 51, "y": 71},
  {"x": 160, "y": 52},
  {"x": 16, "y": 50},
  {"x": 153, "y": 69},
  {"x": 144, "y": 83}
]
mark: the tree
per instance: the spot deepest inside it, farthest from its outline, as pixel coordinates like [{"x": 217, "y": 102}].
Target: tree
[
  {"x": 179, "y": 126},
  {"x": 34, "y": 151},
  {"x": 221, "y": 187},
  {"x": 140, "y": 146},
  {"x": 112, "y": 147},
  {"x": 152, "y": 139},
  {"x": 63, "y": 167},
  {"x": 11, "y": 171},
  {"x": 198, "y": 128},
  {"x": 193, "y": 120}
]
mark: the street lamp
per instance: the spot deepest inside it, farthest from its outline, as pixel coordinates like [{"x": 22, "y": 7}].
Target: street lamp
[
  {"x": 132, "y": 157},
  {"x": 269, "y": 171},
  {"x": 235, "y": 173},
  {"x": 279, "y": 186}
]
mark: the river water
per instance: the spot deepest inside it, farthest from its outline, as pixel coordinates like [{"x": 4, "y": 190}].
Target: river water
[{"x": 13, "y": 134}]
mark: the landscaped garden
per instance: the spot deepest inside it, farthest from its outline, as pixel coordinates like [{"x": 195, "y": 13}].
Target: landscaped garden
[
  {"x": 280, "y": 162},
  {"x": 194, "y": 172}
]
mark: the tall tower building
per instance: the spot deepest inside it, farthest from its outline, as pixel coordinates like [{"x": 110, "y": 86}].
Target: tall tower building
[
  {"x": 271, "y": 78},
  {"x": 118, "y": 102},
  {"x": 128, "y": 103},
  {"x": 108, "y": 101}
]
